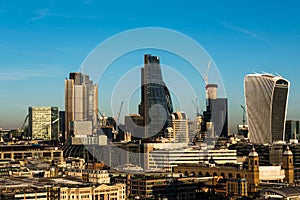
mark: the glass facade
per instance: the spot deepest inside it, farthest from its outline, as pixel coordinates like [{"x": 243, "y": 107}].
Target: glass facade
[
  {"x": 292, "y": 130},
  {"x": 217, "y": 113},
  {"x": 81, "y": 101},
  {"x": 43, "y": 123},
  {"x": 156, "y": 104}
]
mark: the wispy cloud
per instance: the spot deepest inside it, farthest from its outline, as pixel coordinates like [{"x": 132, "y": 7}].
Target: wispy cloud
[
  {"x": 41, "y": 70},
  {"x": 40, "y": 14},
  {"x": 69, "y": 49},
  {"x": 245, "y": 32}
]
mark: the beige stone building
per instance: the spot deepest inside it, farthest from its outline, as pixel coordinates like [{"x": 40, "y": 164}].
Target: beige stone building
[{"x": 105, "y": 192}]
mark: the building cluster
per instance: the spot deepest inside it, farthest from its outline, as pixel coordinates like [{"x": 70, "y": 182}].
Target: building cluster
[{"x": 158, "y": 153}]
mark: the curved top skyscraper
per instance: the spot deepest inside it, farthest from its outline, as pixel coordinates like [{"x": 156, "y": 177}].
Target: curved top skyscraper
[
  {"x": 156, "y": 104},
  {"x": 266, "y": 98}
]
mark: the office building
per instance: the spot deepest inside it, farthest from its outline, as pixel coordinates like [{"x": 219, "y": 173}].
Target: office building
[
  {"x": 134, "y": 124},
  {"x": 195, "y": 126},
  {"x": 177, "y": 130},
  {"x": 154, "y": 186},
  {"x": 156, "y": 104},
  {"x": 168, "y": 158},
  {"x": 81, "y": 103},
  {"x": 21, "y": 152},
  {"x": 216, "y": 114},
  {"x": 62, "y": 124},
  {"x": 60, "y": 188},
  {"x": 219, "y": 116},
  {"x": 43, "y": 123},
  {"x": 292, "y": 131},
  {"x": 266, "y": 101}
]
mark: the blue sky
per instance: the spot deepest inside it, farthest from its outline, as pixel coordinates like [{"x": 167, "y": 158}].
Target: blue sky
[{"x": 42, "y": 41}]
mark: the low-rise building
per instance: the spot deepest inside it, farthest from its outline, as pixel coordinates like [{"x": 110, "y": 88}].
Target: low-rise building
[
  {"x": 253, "y": 174},
  {"x": 21, "y": 152},
  {"x": 91, "y": 176},
  {"x": 107, "y": 192},
  {"x": 163, "y": 186},
  {"x": 288, "y": 193},
  {"x": 59, "y": 189},
  {"x": 167, "y": 158}
]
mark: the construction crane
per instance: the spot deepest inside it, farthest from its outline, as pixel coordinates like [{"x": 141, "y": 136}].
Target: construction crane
[
  {"x": 119, "y": 113},
  {"x": 26, "y": 118},
  {"x": 196, "y": 106},
  {"x": 244, "y": 112},
  {"x": 25, "y": 132},
  {"x": 118, "y": 117},
  {"x": 102, "y": 120},
  {"x": 206, "y": 82},
  {"x": 206, "y": 74}
]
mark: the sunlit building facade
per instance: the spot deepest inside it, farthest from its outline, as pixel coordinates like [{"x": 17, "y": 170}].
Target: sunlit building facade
[
  {"x": 177, "y": 130},
  {"x": 81, "y": 102},
  {"x": 43, "y": 122},
  {"x": 266, "y": 98}
]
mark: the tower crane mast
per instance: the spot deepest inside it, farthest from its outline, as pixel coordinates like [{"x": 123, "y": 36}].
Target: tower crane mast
[
  {"x": 119, "y": 113},
  {"x": 244, "y": 112}
]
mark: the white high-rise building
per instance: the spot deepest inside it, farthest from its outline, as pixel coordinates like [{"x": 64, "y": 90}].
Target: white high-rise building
[
  {"x": 266, "y": 98},
  {"x": 177, "y": 130}
]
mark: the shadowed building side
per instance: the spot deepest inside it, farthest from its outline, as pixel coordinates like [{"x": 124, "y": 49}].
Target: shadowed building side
[{"x": 156, "y": 104}]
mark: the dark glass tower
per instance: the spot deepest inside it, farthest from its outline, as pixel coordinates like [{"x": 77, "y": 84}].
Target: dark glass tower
[
  {"x": 292, "y": 130},
  {"x": 156, "y": 104},
  {"x": 217, "y": 112}
]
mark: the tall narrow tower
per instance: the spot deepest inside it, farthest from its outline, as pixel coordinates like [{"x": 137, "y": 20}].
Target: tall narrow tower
[
  {"x": 266, "y": 101},
  {"x": 81, "y": 101},
  {"x": 156, "y": 104},
  {"x": 216, "y": 114},
  {"x": 253, "y": 170},
  {"x": 288, "y": 166}
]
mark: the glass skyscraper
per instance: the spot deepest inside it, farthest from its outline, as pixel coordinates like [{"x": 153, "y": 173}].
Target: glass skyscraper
[
  {"x": 292, "y": 130},
  {"x": 81, "y": 102},
  {"x": 156, "y": 104},
  {"x": 266, "y": 98},
  {"x": 216, "y": 114}
]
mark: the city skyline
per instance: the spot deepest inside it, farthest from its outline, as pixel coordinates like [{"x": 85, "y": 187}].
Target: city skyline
[{"x": 47, "y": 55}]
